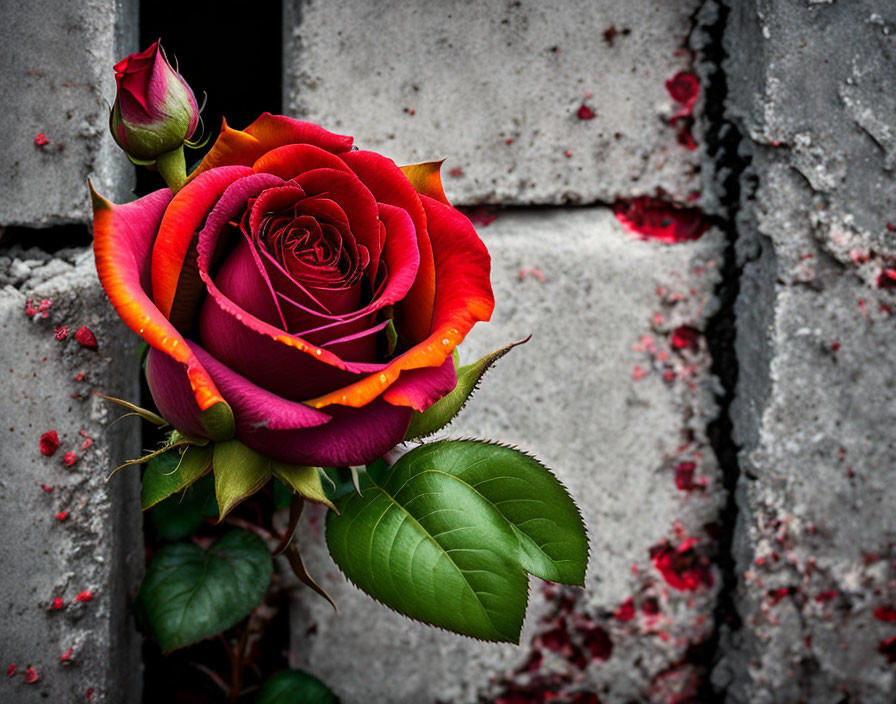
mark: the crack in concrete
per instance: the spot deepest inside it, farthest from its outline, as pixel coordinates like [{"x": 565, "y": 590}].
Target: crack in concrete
[{"x": 727, "y": 166}]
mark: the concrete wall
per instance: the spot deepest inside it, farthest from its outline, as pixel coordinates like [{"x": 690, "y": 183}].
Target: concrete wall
[{"x": 740, "y": 554}]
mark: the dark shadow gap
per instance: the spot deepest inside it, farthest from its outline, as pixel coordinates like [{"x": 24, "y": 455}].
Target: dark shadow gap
[
  {"x": 47, "y": 239},
  {"x": 229, "y": 52}
]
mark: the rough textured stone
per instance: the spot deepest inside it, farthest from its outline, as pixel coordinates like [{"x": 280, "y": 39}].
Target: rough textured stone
[
  {"x": 459, "y": 79},
  {"x": 812, "y": 90},
  {"x": 601, "y": 396},
  {"x": 98, "y": 545},
  {"x": 57, "y": 80}
]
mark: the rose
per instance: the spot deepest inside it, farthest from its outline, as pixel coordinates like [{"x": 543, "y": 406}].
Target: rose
[
  {"x": 273, "y": 286},
  {"x": 155, "y": 110}
]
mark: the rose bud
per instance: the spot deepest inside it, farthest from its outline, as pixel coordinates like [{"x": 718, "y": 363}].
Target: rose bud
[{"x": 155, "y": 110}]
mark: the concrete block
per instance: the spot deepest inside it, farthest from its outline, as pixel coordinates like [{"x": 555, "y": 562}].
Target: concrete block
[
  {"x": 604, "y": 397},
  {"x": 812, "y": 88},
  {"x": 66, "y": 531},
  {"x": 57, "y": 80},
  {"x": 496, "y": 87}
]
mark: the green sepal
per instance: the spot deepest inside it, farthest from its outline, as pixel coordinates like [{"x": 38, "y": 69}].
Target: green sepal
[
  {"x": 218, "y": 422},
  {"x": 443, "y": 411},
  {"x": 239, "y": 473},
  {"x": 172, "y": 471},
  {"x": 304, "y": 481},
  {"x": 295, "y": 687},
  {"x": 190, "y": 594}
]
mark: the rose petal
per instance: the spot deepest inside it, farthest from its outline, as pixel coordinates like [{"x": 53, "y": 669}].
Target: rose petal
[
  {"x": 420, "y": 388},
  {"x": 293, "y": 159},
  {"x": 294, "y": 433},
  {"x": 426, "y": 178},
  {"x": 123, "y": 237},
  {"x": 170, "y": 390},
  {"x": 173, "y": 272},
  {"x": 463, "y": 297},
  {"x": 390, "y": 186},
  {"x": 266, "y": 133}
]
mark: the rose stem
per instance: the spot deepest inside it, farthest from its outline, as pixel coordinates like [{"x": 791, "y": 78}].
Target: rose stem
[{"x": 173, "y": 168}]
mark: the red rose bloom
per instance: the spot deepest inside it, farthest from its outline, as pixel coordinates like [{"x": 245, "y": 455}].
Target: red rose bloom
[{"x": 296, "y": 293}]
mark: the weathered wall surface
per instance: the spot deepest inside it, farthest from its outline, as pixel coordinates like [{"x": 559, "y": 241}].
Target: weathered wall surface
[
  {"x": 812, "y": 91},
  {"x": 56, "y": 82},
  {"x": 613, "y": 391},
  {"x": 72, "y": 547}
]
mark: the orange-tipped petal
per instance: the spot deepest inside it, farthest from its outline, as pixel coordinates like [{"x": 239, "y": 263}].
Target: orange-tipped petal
[
  {"x": 244, "y": 147},
  {"x": 123, "y": 238},
  {"x": 177, "y": 233},
  {"x": 426, "y": 178}
]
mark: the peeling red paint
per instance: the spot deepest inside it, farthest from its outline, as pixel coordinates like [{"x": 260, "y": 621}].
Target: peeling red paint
[
  {"x": 66, "y": 655},
  {"x": 49, "y": 443},
  {"x": 684, "y": 337},
  {"x": 11, "y": 670},
  {"x": 585, "y": 113},
  {"x": 48, "y": 489},
  {"x": 684, "y": 475},
  {"x": 885, "y": 613},
  {"x": 84, "y": 596},
  {"x": 31, "y": 675},
  {"x": 887, "y": 279},
  {"x": 657, "y": 219},
  {"x": 626, "y": 610},
  {"x": 567, "y": 153},
  {"x": 86, "y": 338},
  {"x": 57, "y": 603},
  {"x": 69, "y": 458},
  {"x": 61, "y": 332},
  {"x": 887, "y": 648},
  {"x": 41, "y": 140},
  {"x": 62, "y": 515},
  {"x": 682, "y": 567},
  {"x": 79, "y": 376}
]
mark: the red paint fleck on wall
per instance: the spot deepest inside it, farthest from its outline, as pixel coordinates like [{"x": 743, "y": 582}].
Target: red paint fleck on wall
[
  {"x": 656, "y": 219},
  {"x": 826, "y": 596},
  {"x": 597, "y": 641},
  {"x": 567, "y": 153},
  {"x": 69, "y": 458},
  {"x": 684, "y": 337},
  {"x": 891, "y": 227},
  {"x": 41, "y": 140},
  {"x": 456, "y": 172},
  {"x": 57, "y": 603},
  {"x": 481, "y": 215},
  {"x": 585, "y": 113},
  {"x": 684, "y": 475},
  {"x": 885, "y": 613},
  {"x": 887, "y": 648},
  {"x": 776, "y": 595},
  {"x": 62, "y": 515},
  {"x": 31, "y": 676},
  {"x": 89, "y": 694},
  {"x": 86, "y": 338},
  {"x": 682, "y": 567},
  {"x": 66, "y": 655},
  {"x": 61, "y": 332},
  {"x": 651, "y": 606},
  {"x": 79, "y": 376},
  {"x": 887, "y": 279},
  {"x": 84, "y": 596},
  {"x": 46, "y": 488},
  {"x": 49, "y": 443},
  {"x": 11, "y": 670},
  {"x": 626, "y": 610},
  {"x": 684, "y": 88},
  {"x": 638, "y": 372}
]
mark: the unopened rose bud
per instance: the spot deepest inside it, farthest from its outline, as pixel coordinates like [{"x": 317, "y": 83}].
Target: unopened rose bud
[{"x": 155, "y": 110}]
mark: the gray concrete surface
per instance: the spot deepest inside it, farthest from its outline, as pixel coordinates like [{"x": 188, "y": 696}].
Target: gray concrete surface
[
  {"x": 459, "y": 80},
  {"x": 57, "y": 80},
  {"x": 812, "y": 91},
  {"x": 590, "y": 294},
  {"x": 98, "y": 545}
]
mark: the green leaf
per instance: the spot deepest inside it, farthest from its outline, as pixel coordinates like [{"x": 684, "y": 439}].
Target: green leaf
[
  {"x": 295, "y": 687},
  {"x": 239, "y": 473},
  {"x": 446, "y": 536},
  {"x": 443, "y": 411},
  {"x": 172, "y": 471},
  {"x": 189, "y": 593},
  {"x": 178, "y": 516},
  {"x": 304, "y": 481}
]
